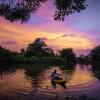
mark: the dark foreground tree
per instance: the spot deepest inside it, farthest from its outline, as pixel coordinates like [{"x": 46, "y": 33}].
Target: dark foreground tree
[
  {"x": 95, "y": 54},
  {"x": 68, "y": 54},
  {"x": 21, "y": 10}
]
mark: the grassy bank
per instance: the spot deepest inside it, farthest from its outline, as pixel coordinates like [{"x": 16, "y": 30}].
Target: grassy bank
[{"x": 33, "y": 60}]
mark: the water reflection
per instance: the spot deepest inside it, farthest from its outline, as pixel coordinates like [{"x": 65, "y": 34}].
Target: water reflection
[
  {"x": 82, "y": 75},
  {"x": 6, "y": 69},
  {"x": 34, "y": 73},
  {"x": 15, "y": 83},
  {"x": 96, "y": 70},
  {"x": 28, "y": 79}
]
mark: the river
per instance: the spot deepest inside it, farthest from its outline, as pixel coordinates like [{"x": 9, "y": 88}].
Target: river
[{"x": 31, "y": 82}]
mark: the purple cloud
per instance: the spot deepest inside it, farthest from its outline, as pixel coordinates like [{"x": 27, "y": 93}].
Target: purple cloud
[
  {"x": 65, "y": 35},
  {"x": 8, "y": 43}
]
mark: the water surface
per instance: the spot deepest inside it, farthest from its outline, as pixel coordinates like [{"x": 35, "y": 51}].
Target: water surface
[{"x": 23, "y": 81}]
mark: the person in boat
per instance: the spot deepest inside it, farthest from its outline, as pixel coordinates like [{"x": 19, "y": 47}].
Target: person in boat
[{"x": 55, "y": 75}]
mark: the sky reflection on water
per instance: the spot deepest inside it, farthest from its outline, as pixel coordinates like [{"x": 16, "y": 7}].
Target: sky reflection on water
[{"x": 29, "y": 79}]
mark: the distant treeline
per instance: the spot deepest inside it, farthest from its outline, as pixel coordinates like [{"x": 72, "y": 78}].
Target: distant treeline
[
  {"x": 39, "y": 52},
  {"x": 92, "y": 58}
]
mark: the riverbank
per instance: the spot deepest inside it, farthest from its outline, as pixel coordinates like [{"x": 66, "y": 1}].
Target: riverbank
[{"x": 34, "y": 60}]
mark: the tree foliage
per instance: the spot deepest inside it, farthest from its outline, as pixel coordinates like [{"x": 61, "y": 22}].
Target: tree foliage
[
  {"x": 6, "y": 53},
  {"x": 21, "y": 10},
  {"x": 84, "y": 59},
  {"x": 39, "y": 48},
  {"x": 48, "y": 52},
  {"x": 22, "y": 51},
  {"x": 68, "y": 54},
  {"x": 67, "y": 7},
  {"x": 95, "y": 54}
]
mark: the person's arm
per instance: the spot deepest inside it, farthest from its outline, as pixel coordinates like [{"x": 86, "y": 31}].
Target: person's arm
[
  {"x": 50, "y": 76},
  {"x": 60, "y": 75}
]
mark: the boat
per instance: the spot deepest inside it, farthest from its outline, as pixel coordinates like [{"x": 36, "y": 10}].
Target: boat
[{"x": 60, "y": 80}]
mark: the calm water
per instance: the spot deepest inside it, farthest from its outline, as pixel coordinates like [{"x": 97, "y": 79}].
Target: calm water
[{"x": 23, "y": 82}]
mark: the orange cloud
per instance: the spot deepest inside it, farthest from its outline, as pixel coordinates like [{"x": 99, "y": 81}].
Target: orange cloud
[{"x": 24, "y": 34}]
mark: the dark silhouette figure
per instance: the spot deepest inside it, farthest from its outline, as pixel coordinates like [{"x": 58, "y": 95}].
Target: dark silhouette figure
[{"x": 55, "y": 76}]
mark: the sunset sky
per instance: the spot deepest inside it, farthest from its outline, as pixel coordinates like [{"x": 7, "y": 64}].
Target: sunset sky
[{"x": 79, "y": 31}]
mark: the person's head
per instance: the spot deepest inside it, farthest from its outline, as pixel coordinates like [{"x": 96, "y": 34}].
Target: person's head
[{"x": 55, "y": 71}]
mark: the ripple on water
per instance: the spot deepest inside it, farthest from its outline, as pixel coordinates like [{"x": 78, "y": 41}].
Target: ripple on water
[{"x": 79, "y": 81}]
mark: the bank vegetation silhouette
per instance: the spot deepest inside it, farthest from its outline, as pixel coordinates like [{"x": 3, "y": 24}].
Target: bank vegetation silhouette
[{"x": 40, "y": 52}]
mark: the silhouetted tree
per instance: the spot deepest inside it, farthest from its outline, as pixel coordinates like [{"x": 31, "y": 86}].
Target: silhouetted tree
[
  {"x": 22, "y": 51},
  {"x": 38, "y": 48},
  {"x": 67, "y": 7},
  {"x": 95, "y": 54},
  {"x": 68, "y": 54},
  {"x": 21, "y": 10},
  {"x": 96, "y": 70},
  {"x": 48, "y": 52},
  {"x": 6, "y": 54},
  {"x": 83, "y": 59}
]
